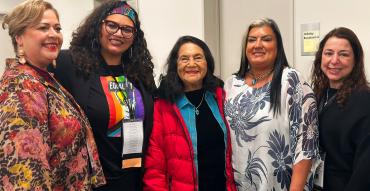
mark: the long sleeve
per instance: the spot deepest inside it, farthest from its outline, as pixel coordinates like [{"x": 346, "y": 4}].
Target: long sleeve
[
  {"x": 303, "y": 119},
  {"x": 359, "y": 179},
  {"x": 230, "y": 183},
  {"x": 24, "y": 136},
  {"x": 155, "y": 177}
]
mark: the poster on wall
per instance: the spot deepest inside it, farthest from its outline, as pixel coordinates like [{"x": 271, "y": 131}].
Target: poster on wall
[
  {"x": 2, "y": 15},
  {"x": 310, "y": 38}
]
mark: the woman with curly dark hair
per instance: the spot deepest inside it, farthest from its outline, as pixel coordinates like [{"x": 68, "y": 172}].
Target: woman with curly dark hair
[
  {"x": 108, "y": 69},
  {"x": 342, "y": 90}
]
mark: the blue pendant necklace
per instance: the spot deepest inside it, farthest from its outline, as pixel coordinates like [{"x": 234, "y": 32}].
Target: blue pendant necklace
[{"x": 255, "y": 79}]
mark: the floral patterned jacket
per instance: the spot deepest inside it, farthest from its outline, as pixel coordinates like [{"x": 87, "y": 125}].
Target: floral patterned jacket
[{"x": 46, "y": 142}]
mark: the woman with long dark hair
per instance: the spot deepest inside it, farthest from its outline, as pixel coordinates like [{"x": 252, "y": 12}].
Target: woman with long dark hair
[
  {"x": 272, "y": 115},
  {"x": 189, "y": 148},
  {"x": 343, "y": 93},
  {"x": 108, "y": 69}
]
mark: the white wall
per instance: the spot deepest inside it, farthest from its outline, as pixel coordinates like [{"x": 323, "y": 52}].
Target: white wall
[
  {"x": 212, "y": 31},
  {"x": 236, "y": 15},
  {"x": 353, "y": 14},
  {"x": 6, "y": 47},
  {"x": 165, "y": 21},
  {"x": 71, "y": 13}
]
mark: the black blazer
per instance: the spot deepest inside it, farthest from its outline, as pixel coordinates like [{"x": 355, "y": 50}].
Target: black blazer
[{"x": 65, "y": 72}]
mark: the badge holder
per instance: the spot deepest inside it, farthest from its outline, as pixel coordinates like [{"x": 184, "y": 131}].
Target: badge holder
[
  {"x": 319, "y": 174},
  {"x": 132, "y": 143}
]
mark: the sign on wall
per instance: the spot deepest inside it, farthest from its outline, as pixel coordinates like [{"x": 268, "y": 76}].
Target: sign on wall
[
  {"x": 310, "y": 38},
  {"x": 2, "y": 15}
]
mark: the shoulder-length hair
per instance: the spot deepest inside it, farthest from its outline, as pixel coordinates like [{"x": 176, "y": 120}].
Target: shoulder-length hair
[
  {"x": 171, "y": 85},
  {"x": 85, "y": 48},
  {"x": 26, "y": 14},
  {"x": 356, "y": 80},
  {"x": 280, "y": 62}
]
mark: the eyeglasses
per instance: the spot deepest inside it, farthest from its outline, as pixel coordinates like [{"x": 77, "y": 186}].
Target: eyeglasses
[
  {"x": 186, "y": 59},
  {"x": 112, "y": 27}
]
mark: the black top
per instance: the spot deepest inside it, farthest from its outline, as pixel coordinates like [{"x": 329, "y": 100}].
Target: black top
[
  {"x": 90, "y": 95},
  {"x": 345, "y": 136},
  {"x": 210, "y": 146}
]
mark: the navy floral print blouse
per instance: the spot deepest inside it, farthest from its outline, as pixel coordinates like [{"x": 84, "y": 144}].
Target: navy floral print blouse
[{"x": 265, "y": 147}]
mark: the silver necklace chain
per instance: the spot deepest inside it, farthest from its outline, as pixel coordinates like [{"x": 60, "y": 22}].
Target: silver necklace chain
[
  {"x": 327, "y": 97},
  {"x": 196, "y": 108}
]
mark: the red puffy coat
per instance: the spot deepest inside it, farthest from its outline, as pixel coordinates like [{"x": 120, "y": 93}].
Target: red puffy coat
[{"x": 169, "y": 163}]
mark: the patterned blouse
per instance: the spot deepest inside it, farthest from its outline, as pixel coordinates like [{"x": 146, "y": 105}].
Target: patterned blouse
[
  {"x": 46, "y": 142},
  {"x": 265, "y": 147}
]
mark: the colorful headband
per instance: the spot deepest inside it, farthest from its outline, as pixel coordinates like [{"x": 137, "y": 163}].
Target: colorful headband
[{"x": 126, "y": 10}]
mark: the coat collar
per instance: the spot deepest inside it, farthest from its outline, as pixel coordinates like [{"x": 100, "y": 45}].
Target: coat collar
[{"x": 13, "y": 68}]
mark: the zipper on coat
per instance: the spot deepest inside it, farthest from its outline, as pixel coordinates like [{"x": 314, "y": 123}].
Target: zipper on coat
[
  {"x": 191, "y": 150},
  {"x": 195, "y": 178},
  {"x": 169, "y": 182}
]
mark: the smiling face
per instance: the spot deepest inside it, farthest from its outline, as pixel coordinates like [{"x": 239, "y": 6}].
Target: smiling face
[
  {"x": 41, "y": 43},
  {"x": 337, "y": 60},
  {"x": 261, "y": 47},
  {"x": 115, "y": 44},
  {"x": 191, "y": 66}
]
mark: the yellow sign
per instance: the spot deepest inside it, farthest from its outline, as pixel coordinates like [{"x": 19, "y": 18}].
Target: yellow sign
[{"x": 311, "y": 40}]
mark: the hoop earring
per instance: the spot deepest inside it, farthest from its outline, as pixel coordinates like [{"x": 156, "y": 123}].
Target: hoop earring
[
  {"x": 94, "y": 45},
  {"x": 54, "y": 64},
  {"x": 20, "y": 56}
]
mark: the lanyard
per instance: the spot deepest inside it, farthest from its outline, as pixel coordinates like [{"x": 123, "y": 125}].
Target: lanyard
[
  {"x": 124, "y": 92},
  {"x": 326, "y": 102}
]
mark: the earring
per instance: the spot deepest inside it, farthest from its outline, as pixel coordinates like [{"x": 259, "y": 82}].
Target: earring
[
  {"x": 54, "y": 64},
  {"x": 94, "y": 45},
  {"x": 131, "y": 52},
  {"x": 21, "y": 58}
]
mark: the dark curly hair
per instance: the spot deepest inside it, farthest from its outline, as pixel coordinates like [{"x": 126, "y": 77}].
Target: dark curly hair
[
  {"x": 356, "y": 79},
  {"x": 85, "y": 48},
  {"x": 171, "y": 85},
  {"x": 280, "y": 62}
]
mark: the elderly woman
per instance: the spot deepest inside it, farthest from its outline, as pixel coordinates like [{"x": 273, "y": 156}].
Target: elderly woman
[
  {"x": 108, "y": 69},
  {"x": 189, "y": 148},
  {"x": 272, "y": 114},
  {"x": 46, "y": 142},
  {"x": 343, "y": 92}
]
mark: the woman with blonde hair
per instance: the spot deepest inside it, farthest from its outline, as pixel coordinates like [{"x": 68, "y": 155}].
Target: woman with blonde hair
[{"x": 46, "y": 142}]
